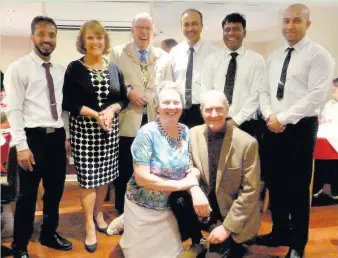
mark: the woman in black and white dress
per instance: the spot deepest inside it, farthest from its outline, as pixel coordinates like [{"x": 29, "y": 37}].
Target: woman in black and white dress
[{"x": 94, "y": 94}]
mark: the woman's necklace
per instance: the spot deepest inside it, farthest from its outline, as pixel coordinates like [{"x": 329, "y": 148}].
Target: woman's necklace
[
  {"x": 173, "y": 142},
  {"x": 98, "y": 72}
]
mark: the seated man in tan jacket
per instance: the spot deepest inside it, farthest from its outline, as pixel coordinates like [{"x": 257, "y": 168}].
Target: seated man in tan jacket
[{"x": 228, "y": 195}]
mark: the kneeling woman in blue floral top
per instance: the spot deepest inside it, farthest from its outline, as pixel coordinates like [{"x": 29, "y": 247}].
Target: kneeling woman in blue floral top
[{"x": 161, "y": 166}]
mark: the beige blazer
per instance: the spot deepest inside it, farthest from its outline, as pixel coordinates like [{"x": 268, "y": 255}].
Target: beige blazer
[
  {"x": 131, "y": 117},
  {"x": 237, "y": 181}
]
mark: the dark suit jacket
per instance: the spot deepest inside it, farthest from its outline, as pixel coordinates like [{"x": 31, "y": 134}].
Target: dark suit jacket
[{"x": 78, "y": 90}]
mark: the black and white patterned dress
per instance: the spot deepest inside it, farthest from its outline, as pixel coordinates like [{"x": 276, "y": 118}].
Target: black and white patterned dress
[{"x": 94, "y": 150}]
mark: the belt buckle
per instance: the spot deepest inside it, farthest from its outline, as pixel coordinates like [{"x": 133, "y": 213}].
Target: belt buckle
[{"x": 50, "y": 130}]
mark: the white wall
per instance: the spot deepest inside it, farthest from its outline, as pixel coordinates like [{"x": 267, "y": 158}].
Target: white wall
[{"x": 323, "y": 30}]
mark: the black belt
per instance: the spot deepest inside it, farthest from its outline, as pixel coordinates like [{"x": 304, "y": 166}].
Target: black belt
[{"x": 43, "y": 130}]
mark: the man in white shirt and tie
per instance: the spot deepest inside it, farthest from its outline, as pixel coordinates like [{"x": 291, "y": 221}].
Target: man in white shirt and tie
[
  {"x": 188, "y": 62},
  {"x": 236, "y": 71},
  {"x": 297, "y": 83},
  {"x": 34, "y": 91}
]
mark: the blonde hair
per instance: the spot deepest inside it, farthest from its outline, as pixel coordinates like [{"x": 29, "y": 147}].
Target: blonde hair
[
  {"x": 96, "y": 27},
  {"x": 167, "y": 85}
]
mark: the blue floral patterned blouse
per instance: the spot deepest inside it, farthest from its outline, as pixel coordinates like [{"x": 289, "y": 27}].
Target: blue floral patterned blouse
[{"x": 151, "y": 148}]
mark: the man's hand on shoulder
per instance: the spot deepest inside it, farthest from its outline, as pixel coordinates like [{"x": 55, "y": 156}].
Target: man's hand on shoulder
[
  {"x": 26, "y": 159},
  {"x": 219, "y": 235}
]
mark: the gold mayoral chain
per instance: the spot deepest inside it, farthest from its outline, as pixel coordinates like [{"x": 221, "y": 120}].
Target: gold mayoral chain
[{"x": 144, "y": 66}]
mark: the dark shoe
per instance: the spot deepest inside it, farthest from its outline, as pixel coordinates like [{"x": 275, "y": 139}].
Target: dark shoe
[
  {"x": 271, "y": 240},
  {"x": 91, "y": 248},
  {"x": 101, "y": 230},
  {"x": 55, "y": 241},
  {"x": 206, "y": 223},
  {"x": 194, "y": 250},
  {"x": 19, "y": 253},
  {"x": 293, "y": 253}
]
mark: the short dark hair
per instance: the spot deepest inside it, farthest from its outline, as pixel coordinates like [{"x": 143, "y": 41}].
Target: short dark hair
[
  {"x": 335, "y": 82},
  {"x": 234, "y": 18},
  {"x": 42, "y": 19},
  {"x": 194, "y": 11},
  {"x": 170, "y": 43}
]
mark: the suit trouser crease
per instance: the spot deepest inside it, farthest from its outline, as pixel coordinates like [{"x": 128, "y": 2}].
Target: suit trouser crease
[
  {"x": 50, "y": 166},
  {"x": 125, "y": 169},
  {"x": 288, "y": 177}
]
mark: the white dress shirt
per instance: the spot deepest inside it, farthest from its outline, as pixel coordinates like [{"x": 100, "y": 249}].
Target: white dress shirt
[
  {"x": 307, "y": 85},
  {"x": 179, "y": 56},
  {"x": 330, "y": 111},
  {"x": 249, "y": 76},
  {"x": 28, "y": 97}
]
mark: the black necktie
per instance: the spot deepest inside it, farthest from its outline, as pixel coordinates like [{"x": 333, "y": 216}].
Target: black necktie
[
  {"x": 188, "y": 80},
  {"x": 50, "y": 84},
  {"x": 230, "y": 77},
  {"x": 281, "y": 84}
]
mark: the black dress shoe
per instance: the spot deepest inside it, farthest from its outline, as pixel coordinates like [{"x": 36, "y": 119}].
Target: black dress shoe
[
  {"x": 91, "y": 248},
  {"x": 271, "y": 240},
  {"x": 20, "y": 253},
  {"x": 206, "y": 223},
  {"x": 293, "y": 253},
  {"x": 102, "y": 230},
  {"x": 55, "y": 241}
]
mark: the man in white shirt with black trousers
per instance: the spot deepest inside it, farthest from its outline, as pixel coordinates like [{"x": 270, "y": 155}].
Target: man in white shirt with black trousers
[
  {"x": 34, "y": 91},
  {"x": 236, "y": 71},
  {"x": 188, "y": 59},
  {"x": 297, "y": 83}
]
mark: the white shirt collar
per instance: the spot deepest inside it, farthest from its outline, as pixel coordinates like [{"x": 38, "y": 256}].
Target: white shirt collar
[
  {"x": 300, "y": 45},
  {"x": 38, "y": 60},
  {"x": 239, "y": 51},
  {"x": 147, "y": 49},
  {"x": 196, "y": 47}
]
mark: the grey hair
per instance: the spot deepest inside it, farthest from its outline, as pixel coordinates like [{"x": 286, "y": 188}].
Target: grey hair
[
  {"x": 143, "y": 15},
  {"x": 167, "y": 85},
  {"x": 218, "y": 93}
]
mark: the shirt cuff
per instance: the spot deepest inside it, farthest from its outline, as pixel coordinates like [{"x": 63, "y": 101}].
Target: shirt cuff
[
  {"x": 129, "y": 88},
  {"x": 238, "y": 120},
  {"x": 22, "y": 146},
  {"x": 266, "y": 113},
  {"x": 282, "y": 118}
]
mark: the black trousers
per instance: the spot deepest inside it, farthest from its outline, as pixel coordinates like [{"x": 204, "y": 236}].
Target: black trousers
[
  {"x": 187, "y": 220},
  {"x": 50, "y": 166},
  {"x": 249, "y": 127},
  {"x": 326, "y": 172},
  {"x": 190, "y": 227},
  {"x": 192, "y": 117},
  {"x": 256, "y": 129},
  {"x": 289, "y": 158},
  {"x": 125, "y": 171}
]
